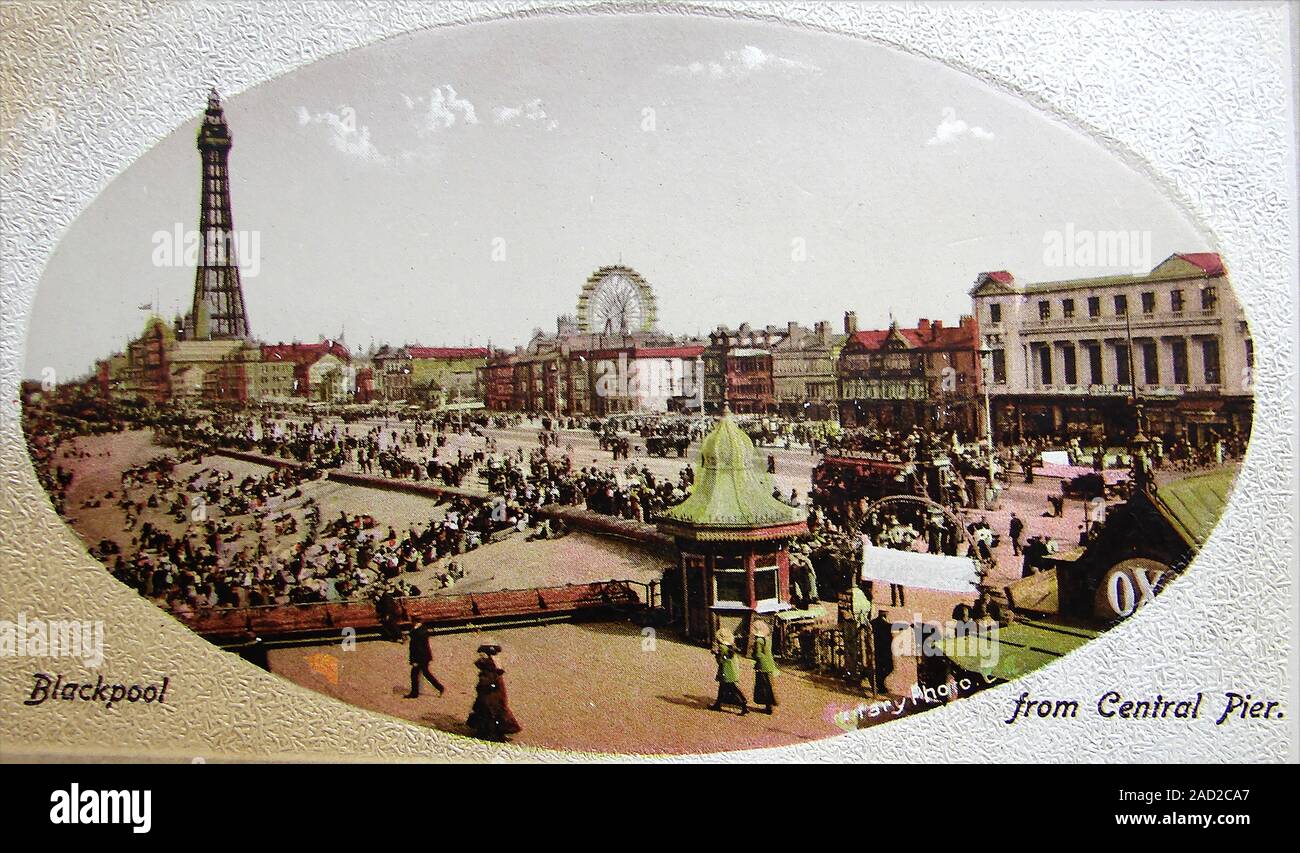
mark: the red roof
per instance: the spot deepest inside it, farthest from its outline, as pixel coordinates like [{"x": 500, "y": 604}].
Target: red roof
[
  {"x": 1001, "y": 276},
  {"x": 1208, "y": 261},
  {"x": 934, "y": 338},
  {"x": 304, "y": 353},
  {"x": 869, "y": 338},
  {"x": 447, "y": 352}
]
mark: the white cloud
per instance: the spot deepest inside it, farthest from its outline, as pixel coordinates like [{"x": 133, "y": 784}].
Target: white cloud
[
  {"x": 533, "y": 111},
  {"x": 952, "y": 129},
  {"x": 442, "y": 109},
  {"x": 737, "y": 64},
  {"x": 345, "y": 135}
]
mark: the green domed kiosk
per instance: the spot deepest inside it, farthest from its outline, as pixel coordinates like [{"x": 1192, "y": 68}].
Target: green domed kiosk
[{"x": 732, "y": 537}]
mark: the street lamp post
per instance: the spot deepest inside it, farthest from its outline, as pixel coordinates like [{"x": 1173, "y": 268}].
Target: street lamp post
[{"x": 985, "y": 356}]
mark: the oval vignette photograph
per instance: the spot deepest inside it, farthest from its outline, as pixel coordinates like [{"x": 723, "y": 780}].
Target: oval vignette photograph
[{"x": 639, "y": 384}]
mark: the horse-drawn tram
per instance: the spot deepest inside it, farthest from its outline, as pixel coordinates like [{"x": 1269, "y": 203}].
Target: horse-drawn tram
[{"x": 856, "y": 474}]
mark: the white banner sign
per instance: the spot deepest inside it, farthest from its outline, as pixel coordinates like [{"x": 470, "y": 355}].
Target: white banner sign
[{"x": 921, "y": 571}]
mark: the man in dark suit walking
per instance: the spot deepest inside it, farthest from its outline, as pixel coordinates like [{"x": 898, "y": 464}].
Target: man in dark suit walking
[
  {"x": 420, "y": 656},
  {"x": 882, "y": 639}
]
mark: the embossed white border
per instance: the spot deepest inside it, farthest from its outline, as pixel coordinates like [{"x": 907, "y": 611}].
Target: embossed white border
[{"x": 1199, "y": 97}]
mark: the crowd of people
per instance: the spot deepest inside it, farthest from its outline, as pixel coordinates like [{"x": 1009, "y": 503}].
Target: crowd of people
[
  {"x": 224, "y": 553},
  {"x": 227, "y": 547},
  {"x": 210, "y": 540},
  {"x": 413, "y": 451},
  {"x": 211, "y": 565}
]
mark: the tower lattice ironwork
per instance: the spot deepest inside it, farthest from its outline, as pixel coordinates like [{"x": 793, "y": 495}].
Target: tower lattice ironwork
[{"x": 218, "y": 311}]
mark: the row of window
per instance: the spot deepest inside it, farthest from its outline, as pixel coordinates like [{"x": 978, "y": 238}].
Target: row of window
[
  {"x": 749, "y": 365},
  {"x": 731, "y": 581},
  {"x": 1119, "y": 304},
  {"x": 803, "y": 367},
  {"x": 1145, "y": 359}
]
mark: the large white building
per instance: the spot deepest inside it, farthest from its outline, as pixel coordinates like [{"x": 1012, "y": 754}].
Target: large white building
[
  {"x": 331, "y": 379},
  {"x": 1064, "y": 357}
]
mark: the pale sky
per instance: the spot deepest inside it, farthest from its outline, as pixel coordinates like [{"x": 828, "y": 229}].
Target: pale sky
[{"x": 459, "y": 185}]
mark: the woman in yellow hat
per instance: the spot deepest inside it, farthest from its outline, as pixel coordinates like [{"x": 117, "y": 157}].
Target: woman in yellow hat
[
  {"x": 728, "y": 676},
  {"x": 764, "y": 667}
]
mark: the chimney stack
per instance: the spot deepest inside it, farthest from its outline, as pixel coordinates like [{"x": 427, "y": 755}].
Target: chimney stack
[{"x": 850, "y": 322}]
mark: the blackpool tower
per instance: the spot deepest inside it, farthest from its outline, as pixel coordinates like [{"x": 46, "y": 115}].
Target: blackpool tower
[{"x": 218, "y": 312}]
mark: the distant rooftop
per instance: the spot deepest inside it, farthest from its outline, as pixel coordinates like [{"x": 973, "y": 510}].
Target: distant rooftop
[{"x": 1176, "y": 266}]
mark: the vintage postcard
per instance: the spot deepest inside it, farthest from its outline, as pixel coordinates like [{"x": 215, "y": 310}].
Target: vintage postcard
[{"x": 709, "y": 381}]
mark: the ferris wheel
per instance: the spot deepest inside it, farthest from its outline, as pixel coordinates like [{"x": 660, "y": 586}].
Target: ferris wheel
[{"x": 616, "y": 299}]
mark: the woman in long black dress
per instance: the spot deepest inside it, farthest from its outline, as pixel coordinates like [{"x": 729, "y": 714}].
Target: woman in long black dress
[{"x": 490, "y": 718}]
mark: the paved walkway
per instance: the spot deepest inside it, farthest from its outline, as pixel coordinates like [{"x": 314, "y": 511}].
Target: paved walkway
[{"x": 598, "y": 687}]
